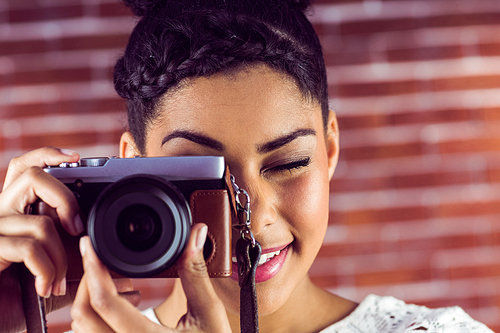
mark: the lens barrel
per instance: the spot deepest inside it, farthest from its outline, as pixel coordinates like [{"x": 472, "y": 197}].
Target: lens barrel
[{"x": 139, "y": 225}]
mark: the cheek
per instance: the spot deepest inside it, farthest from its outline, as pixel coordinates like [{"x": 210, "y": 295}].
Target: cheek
[{"x": 307, "y": 207}]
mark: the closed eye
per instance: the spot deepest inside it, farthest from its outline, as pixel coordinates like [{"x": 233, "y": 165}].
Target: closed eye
[{"x": 292, "y": 165}]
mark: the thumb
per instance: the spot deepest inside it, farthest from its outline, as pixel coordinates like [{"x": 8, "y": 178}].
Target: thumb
[
  {"x": 191, "y": 266},
  {"x": 204, "y": 306}
]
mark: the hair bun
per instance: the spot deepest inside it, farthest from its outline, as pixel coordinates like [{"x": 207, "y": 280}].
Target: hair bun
[
  {"x": 141, "y": 7},
  {"x": 301, "y": 5}
]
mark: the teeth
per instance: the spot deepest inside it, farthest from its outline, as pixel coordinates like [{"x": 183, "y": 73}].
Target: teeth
[
  {"x": 264, "y": 257},
  {"x": 268, "y": 256}
]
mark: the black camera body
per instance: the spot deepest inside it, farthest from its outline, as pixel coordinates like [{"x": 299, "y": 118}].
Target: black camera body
[{"x": 139, "y": 212}]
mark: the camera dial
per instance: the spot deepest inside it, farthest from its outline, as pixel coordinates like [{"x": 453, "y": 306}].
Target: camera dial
[{"x": 94, "y": 161}]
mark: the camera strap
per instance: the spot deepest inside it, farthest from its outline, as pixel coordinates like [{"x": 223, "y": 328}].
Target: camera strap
[
  {"x": 33, "y": 305},
  {"x": 247, "y": 256},
  {"x": 248, "y": 252}
]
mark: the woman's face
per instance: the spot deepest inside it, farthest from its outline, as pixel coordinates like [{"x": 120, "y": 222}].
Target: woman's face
[{"x": 276, "y": 147}]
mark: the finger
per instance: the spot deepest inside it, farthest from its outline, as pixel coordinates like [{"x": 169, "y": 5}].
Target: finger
[
  {"x": 133, "y": 297},
  {"x": 35, "y": 258},
  {"x": 126, "y": 290},
  {"x": 123, "y": 285},
  {"x": 85, "y": 319},
  {"x": 117, "y": 312},
  {"x": 42, "y": 229},
  {"x": 203, "y": 303},
  {"x": 40, "y": 158},
  {"x": 36, "y": 184}
]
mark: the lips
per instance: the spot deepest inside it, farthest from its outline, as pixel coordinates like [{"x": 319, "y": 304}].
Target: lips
[{"x": 270, "y": 263}]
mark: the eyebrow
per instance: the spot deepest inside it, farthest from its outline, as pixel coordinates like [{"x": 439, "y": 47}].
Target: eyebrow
[
  {"x": 281, "y": 141},
  {"x": 217, "y": 145},
  {"x": 196, "y": 138}
]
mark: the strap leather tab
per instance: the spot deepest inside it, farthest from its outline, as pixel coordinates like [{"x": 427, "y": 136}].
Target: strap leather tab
[{"x": 247, "y": 257}]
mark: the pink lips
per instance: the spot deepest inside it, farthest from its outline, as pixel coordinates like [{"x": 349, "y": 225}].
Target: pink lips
[{"x": 269, "y": 269}]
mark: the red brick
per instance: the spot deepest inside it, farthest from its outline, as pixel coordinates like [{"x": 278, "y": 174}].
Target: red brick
[
  {"x": 491, "y": 114},
  {"x": 449, "y": 242},
  {"x": 344, "y": 59},
  {"x": 347, "y": 121},
  {"x": 337, "y": 1},
  {"x": 467, "y": 302},
  {"x": 377, "y": 88},
  {"x": 380, "y": 215},
  {"x": 469, "y": 82},
  {"x": 465, "y": 19},
  {"x": 382, "y": 151},
  {"x": 489, "y": 49},
  {"x": 425, "y": 53},
  {"x": 392, "y": 277},
  {"x": 45, "y": 13},
  {"x": 374, "y": 26},
  {"x": 110, "y": 41},
  {"x": 414, "y": 86},
  {"x": 493, "y": 176},
  {"x": 468, "y": 209},
  {"x": 434, "y": 116},
  {"x": 114, "y": 9},
  {"x": 407, "y": 24},
  {"x": 433, "y": 179},
  {"x": 471, "y": 145},
  {"x": 479, "y": 271},
  {"x": 24, "y": 47},
  {"x": 75, "y": 106},
  {"x": 54, "y": 76},
  {"x": 361, "y": 121},
  {"x": 430, "y": 179},
  {"x": 69, "y": 139}
]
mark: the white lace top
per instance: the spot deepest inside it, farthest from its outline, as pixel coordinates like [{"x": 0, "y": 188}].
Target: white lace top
[
  {"x": 390, "y": 315},
  {"x": 377, "y": 314}
]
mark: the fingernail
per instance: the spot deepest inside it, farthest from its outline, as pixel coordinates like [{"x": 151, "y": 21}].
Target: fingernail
[
  {"x": 83, "y": 247},
  {"x": 68, "y": 152},
  {"x": 48, "y": 292},
  {"x": 201, "y": 237},
  {"x": 62, "y": 288},
  {"x": 78, "y": 224}
]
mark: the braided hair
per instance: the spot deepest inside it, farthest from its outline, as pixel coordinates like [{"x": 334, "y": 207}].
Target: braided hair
[{"x": 179, "y": 39}]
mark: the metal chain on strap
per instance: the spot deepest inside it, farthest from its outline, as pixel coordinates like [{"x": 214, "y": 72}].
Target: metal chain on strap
[
  {"x": 248, "y": 252},
  {"x": 243, "y": 211}
]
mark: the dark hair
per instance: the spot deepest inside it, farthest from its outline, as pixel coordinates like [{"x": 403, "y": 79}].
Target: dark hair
[{"x": 178, "y": 39}]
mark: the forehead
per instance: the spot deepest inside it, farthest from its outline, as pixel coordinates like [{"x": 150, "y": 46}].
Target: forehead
[{"x": 256, "y": 98}]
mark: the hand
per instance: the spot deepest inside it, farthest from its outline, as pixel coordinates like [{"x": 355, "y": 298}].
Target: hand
[
  {"x": 33, "y": 239},
  {"x": 98, "y": 306}
]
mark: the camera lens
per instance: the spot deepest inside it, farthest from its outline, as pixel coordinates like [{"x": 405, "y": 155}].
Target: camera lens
[{"x": 139, "y": 225}]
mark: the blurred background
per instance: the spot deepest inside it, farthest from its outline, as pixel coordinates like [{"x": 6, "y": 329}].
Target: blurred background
[{"x": 415, "y": 201}]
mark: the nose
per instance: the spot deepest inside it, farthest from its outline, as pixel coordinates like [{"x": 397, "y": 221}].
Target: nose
[{"x": 262, "y": 203}]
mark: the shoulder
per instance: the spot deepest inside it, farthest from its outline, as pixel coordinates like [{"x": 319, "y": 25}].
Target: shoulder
[{"x": 388, "y": 314}]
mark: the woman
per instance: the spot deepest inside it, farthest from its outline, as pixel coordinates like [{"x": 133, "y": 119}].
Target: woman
[{"x": 244, "y": 79}]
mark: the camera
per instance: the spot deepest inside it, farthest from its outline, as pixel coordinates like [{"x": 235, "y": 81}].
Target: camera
[{"x": 139, "y": 212}]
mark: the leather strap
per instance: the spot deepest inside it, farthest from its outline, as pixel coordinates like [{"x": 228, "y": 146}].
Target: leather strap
[
  {"x": 33, "y": 305},
  {"x": 247, "y": 257}
]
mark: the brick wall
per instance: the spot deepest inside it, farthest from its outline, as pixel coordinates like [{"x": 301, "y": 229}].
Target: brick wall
[{"x": 415, "y": 202}]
